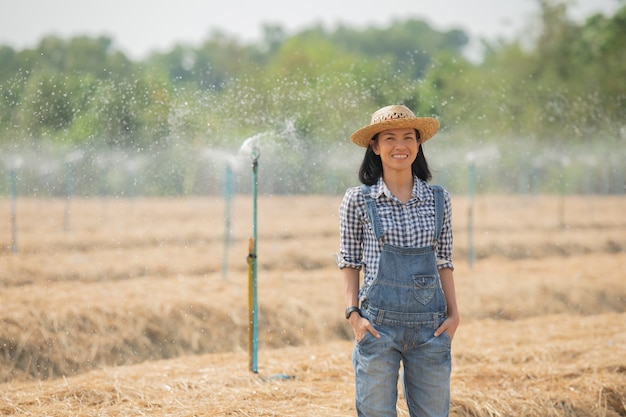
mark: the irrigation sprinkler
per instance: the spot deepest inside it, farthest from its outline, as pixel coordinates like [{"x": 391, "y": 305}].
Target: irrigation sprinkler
[
  {"x": 620, "y": 184},
  {"x": 252, "y": 269},
  {"x": 70, "y": 159},
  {"x": 13, "y": 162},
  {"x": 474, "y": 158},
  {"x": 13, "y": 210},
  {"x": 228, "y": 196},
  {"x": 251, "y": 146},
  {"x": 564, "y": 162},
  {"x": 69, "y": 192},
  {"x": 470, "y": 210}
]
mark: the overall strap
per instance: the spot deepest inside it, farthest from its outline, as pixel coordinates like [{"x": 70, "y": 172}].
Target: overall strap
[
  {"x": 370, "y": 205},
  {"x": 372, "y": 212},
  {"x": 438, "y": 191}
]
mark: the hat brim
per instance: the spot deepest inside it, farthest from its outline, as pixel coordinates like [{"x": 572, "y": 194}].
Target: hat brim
[{"x": 427, "y": 126}]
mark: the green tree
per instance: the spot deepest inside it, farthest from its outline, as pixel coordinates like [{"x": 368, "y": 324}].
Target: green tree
[
  {"x": 129, "y": 113},
  {"x": 48, "y": 104},
  {"x": 409, "y": 44},
  {"x": 80, "y": 55}
]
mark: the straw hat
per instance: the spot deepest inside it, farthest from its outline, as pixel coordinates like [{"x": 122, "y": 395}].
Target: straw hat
[{"x": 395, "y": 116}]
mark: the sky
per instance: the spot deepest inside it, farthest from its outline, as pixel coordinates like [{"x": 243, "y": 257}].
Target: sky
[{"x": 140, "y": 27}]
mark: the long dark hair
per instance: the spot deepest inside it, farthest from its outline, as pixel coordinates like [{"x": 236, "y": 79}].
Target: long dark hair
[{"x": 372, "y": 166}]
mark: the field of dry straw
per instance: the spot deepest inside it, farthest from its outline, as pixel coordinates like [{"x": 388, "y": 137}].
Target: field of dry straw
[{"x": 127, "y": 309}]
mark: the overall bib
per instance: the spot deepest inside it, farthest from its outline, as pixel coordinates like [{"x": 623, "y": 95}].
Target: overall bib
[{"x": 405, "y": 304}]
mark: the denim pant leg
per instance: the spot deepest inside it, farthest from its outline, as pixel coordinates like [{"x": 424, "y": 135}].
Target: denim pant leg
[
  {"x": 376, "y": 365},
  {"x": 426, "y": 383}
]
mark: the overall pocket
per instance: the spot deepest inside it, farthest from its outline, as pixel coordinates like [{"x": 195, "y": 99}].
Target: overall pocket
[{"x": 425, "y": 287}]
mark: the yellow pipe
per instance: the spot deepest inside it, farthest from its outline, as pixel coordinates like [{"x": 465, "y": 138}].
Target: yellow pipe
[{"x": 250, "y": 298}]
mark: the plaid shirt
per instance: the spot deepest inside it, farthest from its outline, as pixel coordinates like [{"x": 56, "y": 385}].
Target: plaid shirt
[{"x": 406, "y": 225}]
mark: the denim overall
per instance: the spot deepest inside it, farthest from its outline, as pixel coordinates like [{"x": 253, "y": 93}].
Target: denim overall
[{"x": 405, "y": 304}]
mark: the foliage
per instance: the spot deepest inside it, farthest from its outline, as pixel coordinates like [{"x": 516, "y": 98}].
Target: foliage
[{"x": 564, "y": 82}]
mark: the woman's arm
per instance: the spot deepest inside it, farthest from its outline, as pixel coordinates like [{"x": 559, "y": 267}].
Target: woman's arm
[
  {"x": 351, "y": 286},
  {"x": 452, "y": 322},
  {"x": 359, "y": 324}
]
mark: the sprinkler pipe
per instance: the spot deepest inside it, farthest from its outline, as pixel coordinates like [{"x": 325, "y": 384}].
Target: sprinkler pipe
[
  {"x": 470, "y": 213},
  {"x": 13, "y": 210},
  {"x": 252, "y": 269},
  {"x": 69, "y": 193},
  {"x": 228, "y": 196}
]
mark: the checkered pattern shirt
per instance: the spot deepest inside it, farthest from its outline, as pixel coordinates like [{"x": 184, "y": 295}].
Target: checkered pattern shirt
[{"x": 405, "y": 225}]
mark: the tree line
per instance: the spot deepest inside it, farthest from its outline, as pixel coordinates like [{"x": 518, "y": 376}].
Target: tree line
[
  {"x": 565, "y": 81},
  {"x": 147, "y": 126}
]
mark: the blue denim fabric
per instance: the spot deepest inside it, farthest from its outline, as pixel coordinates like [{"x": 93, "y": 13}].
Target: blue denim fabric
[
  {"x": 426, "y": 370},
  {"x": 405, "y": 304}
]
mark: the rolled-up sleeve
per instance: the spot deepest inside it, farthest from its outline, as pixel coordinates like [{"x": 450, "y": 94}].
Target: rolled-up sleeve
[
  {"x": 444, "y": 246},
  {"x": 351, "y": 230}
]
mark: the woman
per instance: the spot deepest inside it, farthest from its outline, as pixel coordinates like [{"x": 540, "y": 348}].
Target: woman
[{"x": 398, "y": 229}]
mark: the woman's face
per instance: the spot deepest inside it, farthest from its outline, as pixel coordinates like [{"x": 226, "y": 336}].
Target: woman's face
[{"x": 397, "y": 148}]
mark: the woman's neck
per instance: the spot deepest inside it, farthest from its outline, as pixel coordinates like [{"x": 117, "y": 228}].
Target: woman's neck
[{"x": 400, "y": 184}]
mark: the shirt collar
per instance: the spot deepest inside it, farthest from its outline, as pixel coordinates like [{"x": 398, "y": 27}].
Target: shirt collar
[{"x": 420, "y": 189}]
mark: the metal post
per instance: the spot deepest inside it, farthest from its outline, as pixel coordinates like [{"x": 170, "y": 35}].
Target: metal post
[
  {"x": 228, "y": 195},
  {"x": 69, "y": 192},
  {"x": 253, "y": 260},
  {"x": 470, "y": 214},
  {"x": 13, "y": 210},
  {"x": 251, "y": 348}
]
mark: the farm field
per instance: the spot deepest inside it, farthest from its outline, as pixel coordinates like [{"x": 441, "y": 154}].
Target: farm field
[{"x": 133, "y": 307}]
